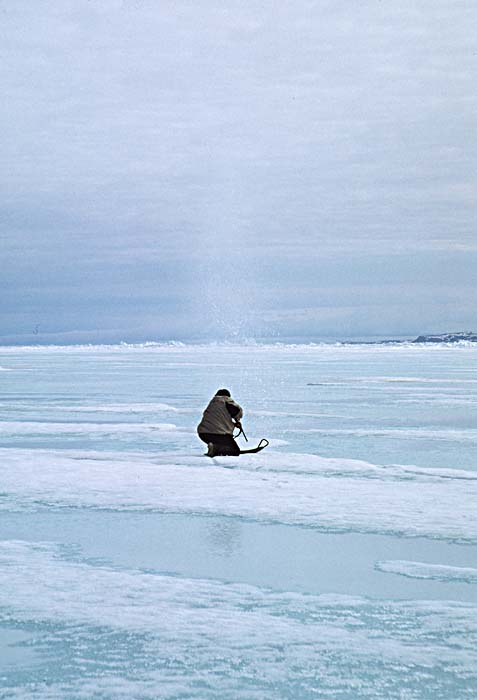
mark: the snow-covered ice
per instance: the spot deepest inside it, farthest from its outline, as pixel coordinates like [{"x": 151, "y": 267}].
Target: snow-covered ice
[
  {"x": 271, "y": 487},
  {"x": 440, "y": 572},
  {"x": 373, "y": 440},
  {"x": 206, "y": 639}
]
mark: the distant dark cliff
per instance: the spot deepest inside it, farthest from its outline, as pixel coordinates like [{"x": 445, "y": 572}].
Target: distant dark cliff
[{"x": 447, "y": 337}]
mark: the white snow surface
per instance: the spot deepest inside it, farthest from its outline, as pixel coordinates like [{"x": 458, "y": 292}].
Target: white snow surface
[
  {"x": 400, "y": 433},
  {"x": 50, "y": 428},
  {"x": 272, "y": 486},
  {"x": 421, "y": 570},
  {"x": 122, "y": 408},
  {"x": 113, "y": 429}
]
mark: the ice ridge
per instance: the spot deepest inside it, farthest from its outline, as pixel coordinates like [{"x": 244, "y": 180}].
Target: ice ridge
[
  {"x": 437, "y": 572},
  {"x": 328, "y": 497}
]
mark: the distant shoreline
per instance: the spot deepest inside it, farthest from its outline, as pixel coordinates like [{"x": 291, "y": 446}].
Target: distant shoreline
[
  {"x": 459, "y": 337},
  {"x": 430, "y": 339}
]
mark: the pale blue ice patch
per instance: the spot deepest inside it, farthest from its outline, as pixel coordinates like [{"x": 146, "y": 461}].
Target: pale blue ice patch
[{"x": 131, "y": 633}]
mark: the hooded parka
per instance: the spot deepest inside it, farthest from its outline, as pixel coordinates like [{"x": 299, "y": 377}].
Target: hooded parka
[{"x": 220, "y": 416}]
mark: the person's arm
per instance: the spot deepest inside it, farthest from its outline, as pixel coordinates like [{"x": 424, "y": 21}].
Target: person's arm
[{"x": 235, "y": 411}]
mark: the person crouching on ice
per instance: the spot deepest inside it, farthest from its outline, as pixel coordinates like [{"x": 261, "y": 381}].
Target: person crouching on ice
[{"x": 219, "y": 420}]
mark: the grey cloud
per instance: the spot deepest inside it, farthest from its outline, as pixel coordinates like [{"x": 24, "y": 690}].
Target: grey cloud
[{"x": 205, "y": 156}]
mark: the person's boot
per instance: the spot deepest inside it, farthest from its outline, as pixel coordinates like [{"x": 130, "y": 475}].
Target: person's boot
[{"x": 210, "y": 449}]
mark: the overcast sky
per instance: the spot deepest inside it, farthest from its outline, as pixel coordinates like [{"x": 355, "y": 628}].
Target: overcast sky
[{"x": 183, "y": 169}]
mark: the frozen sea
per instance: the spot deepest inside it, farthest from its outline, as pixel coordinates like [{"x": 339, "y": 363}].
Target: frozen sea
[{"x": 338, "y": 564}]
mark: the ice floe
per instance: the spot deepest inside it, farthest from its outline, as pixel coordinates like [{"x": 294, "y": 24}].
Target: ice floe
[
  {"x": 49, "y": 428},
  {"x": 121, "y": 408},
  {"x": 438, "y": 572},
  {"x": 340, "y": 495},
  {"x": 452, "y": 435}
]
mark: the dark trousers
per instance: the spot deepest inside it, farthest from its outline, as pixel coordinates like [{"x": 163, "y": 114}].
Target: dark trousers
[{"x": 223, "y": 444}]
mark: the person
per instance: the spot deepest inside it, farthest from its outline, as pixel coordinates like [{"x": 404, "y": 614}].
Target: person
[{"x": 218, "y": 423}]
